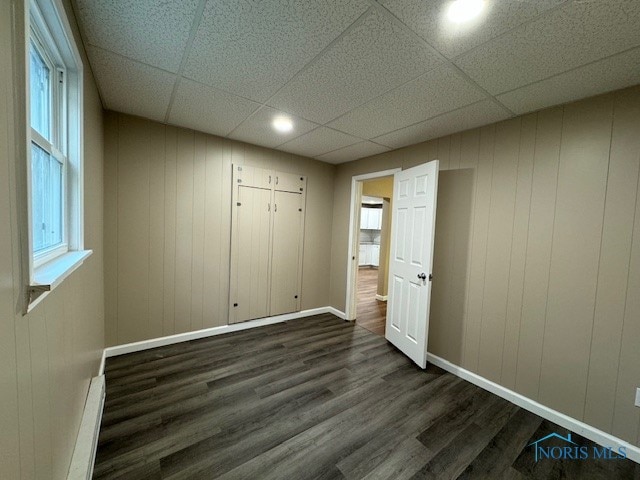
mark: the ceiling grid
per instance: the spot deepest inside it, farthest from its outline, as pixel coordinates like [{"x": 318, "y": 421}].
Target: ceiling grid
[{"x": 355, "y": 77}]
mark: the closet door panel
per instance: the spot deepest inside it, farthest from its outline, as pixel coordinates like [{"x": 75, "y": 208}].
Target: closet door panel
[
  {"x": 289, "y": 182},
  {"x": 252, "y": 260},
  {"x": 286, "y": 253}
]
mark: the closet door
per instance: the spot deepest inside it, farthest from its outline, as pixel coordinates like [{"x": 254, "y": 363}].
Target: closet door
[
  {"x": 289, "y": 182},
  {"x": 286, "y": 258},
  {"x": 250, "y": 254}
]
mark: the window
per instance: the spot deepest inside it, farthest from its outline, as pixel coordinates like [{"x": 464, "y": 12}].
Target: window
[
  {"x": 47, "y": 93},
  {"x": 54, "y": 148}
]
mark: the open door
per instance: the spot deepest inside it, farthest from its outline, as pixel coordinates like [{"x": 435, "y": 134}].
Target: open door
[{"x": 411, "y": 259}]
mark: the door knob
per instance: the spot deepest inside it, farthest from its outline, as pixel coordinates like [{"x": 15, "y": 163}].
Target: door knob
[{"x": 422, "y": 276}]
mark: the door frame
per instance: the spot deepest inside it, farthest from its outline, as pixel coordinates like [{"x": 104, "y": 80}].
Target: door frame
[{"x": 354, "y": 231}]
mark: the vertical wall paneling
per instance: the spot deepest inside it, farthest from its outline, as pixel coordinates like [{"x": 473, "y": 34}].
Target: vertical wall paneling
[
  {"x": 479, "y": 247},
  {"x": 15, "y": 456},
  {"x": 133, "y": 214},
  {"x": 211, "y": 248},
  {"x": 197, "y": 272},
  {"x": 454, "y": 156},
  {"x": 25, "y": 404},
  {"x": 613, "y": 271},
  {"x": 518, "y": 249},
  {"x": 538, "y": 253},
  {"x": 41, "y": 395},
  {"x": 169, "y": 252},
  {"x": 111, "y": 226},
  {"x": 184, "y": 229},
  {"x": 444, "y": 152},
  {"x": 224, "y": 228},
  {"x": 577, "y": 233},
  {"x": 498, "y": 251},
  {"x": 156, "y": 228},
  {"x": 626, "y": 415}
]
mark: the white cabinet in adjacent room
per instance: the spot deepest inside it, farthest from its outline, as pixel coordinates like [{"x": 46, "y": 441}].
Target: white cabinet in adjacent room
[
  {"x": 370, "y": 218},
  {"x": 362, "y": 255},
  {"x": 375, "y": 255}
]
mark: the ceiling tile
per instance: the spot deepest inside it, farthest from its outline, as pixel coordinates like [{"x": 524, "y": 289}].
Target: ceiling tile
[
  {"x": 131, "y": 87},
  {"x": 318, "y": 141},
  {"x": 353, "y": 152},
  {"x": 577, "y": 33},
  {"x": 373, "y": 57},
  {"x": 429, "y": 19},
  {"x": 253, "y": 48},
  {"x": 435, "y": 92},
  {"x": 481, "y": 113},
  {"x": 150, "y": 31},
  {"x": 257, "y": 129},
  {"x": 209, "y": 110},
  {"x": 612, "y": 73}
]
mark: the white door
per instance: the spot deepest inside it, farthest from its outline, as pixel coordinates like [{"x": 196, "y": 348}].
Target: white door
[{"x": 412, "y": 233}]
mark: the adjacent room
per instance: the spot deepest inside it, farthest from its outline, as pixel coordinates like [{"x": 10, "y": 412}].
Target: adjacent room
[{"x": 319, "y": 239}]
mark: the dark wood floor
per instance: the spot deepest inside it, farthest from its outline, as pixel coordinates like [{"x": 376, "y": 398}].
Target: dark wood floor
[
  {"x": 370, "y": 313},
  {"x": 315, "y": 398}
]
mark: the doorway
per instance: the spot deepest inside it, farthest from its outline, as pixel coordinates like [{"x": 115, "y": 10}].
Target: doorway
[
  {"x": 369, "y": 238},
  {"x": 373, "y": 242}
]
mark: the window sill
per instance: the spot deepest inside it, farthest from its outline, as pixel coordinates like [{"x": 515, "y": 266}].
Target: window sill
[{"x": 51, "y": 274}]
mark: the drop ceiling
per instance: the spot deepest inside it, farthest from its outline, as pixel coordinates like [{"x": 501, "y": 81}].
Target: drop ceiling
[{"x": 357, "y": 77}]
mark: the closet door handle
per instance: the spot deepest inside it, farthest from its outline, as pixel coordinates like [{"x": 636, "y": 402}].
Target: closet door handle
[
  {"x": 268, "y": 207},
  {"x": 275, "y": 207},
  {"x": 277, "y": 179},
  {"x": 269, "y": 179}
]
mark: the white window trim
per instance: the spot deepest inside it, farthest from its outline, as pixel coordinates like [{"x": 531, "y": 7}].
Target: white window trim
[{"x": 49, "y": 268}]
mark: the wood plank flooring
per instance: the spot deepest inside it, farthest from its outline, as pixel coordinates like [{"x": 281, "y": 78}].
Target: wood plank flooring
[
  {"x": 316, "y": 398},
  {"x": 370, "y": 313}
]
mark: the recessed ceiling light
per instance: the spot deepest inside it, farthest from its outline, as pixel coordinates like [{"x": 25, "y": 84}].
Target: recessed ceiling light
[
  {"x": 461, "y": 11},
  {"x": 282, "y": 124}
]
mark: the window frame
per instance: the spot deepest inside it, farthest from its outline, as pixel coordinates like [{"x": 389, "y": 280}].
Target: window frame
[
  {"x": 47, "y": 25},
  {"x": 56, "y": 147}
]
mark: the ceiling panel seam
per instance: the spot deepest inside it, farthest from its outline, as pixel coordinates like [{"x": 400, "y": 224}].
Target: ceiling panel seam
[
  {"x": 355, "y": 23},
  {"x": 548, "y": 11},
  {"x": 187, "y": 49},
  {"x": 443, "y": 58},
  {"x": 315, "y": 59},
  {"x": 607, "y": 57},
  {"x": 431, "y": 118}
]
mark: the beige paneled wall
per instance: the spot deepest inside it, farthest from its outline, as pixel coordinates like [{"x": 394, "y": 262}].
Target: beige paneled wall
[
  {"x": 47, "y": 357},
  {"x": 168, "y": 226},
  {"x": 537, "y": 263}
]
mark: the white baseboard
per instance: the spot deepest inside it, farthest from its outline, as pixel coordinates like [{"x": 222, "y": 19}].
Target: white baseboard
[
  {"x": 382, "y": 298},
  {"x": 210, "y": 332},
  {"x": 84, "y": 453},
  {"x": 598, "y": 436},
  {"x": 337, "y": 313}
]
